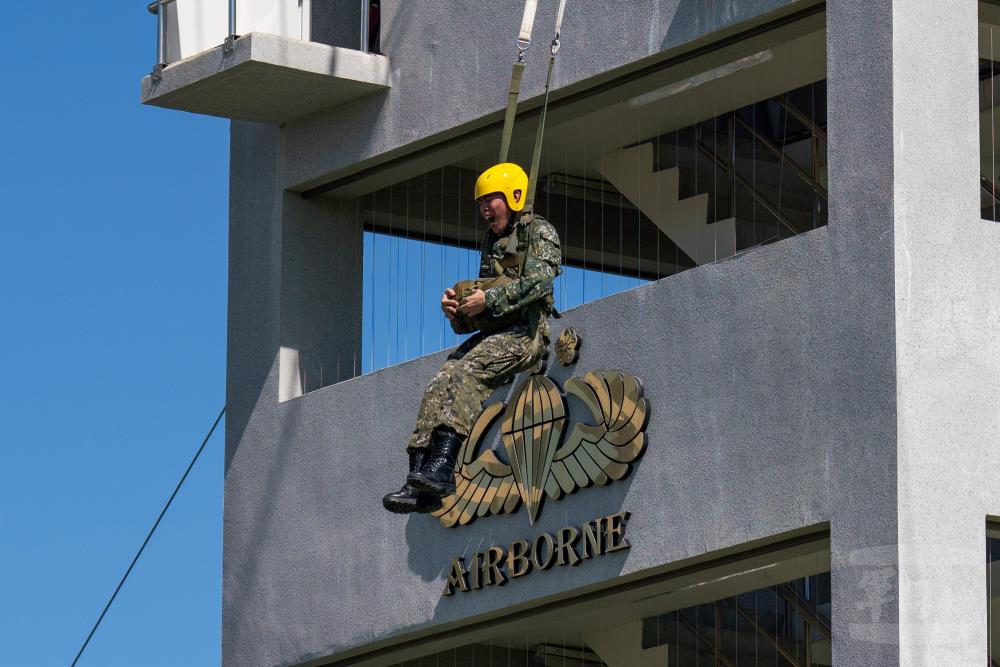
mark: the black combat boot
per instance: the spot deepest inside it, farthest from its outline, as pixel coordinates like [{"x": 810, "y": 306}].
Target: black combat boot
[
  {"x": 437, "y": 474},
  {"x": 408, "y": 499}
]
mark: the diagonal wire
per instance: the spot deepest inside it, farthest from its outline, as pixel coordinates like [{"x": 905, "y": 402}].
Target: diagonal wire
[{"x": 148, "y": 537}]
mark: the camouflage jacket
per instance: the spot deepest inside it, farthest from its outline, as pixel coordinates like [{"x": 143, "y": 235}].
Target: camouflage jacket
[{"x": 541, "y": 266}]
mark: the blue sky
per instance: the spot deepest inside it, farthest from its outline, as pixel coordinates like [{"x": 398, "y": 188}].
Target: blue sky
[{"x": 113, "y": 304}]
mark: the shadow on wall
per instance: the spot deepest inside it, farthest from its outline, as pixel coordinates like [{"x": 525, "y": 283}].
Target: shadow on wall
[
  {"x": 336, "y": 22},
  {"x": 244, "y": 560},
  {"x": 691, "y": 18},
  {"x": 431, "y": 557},
  {"x": 695, "y": 17},
  {"x": 253, "y": 235}
]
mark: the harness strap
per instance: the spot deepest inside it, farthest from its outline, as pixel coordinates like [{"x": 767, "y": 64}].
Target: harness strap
[
  {"x": 524, "y": 230},
  {"x": 517, "y": 71},
  {"x": 527, "y": 21},
  {"x": 529, "y": 199},
  {"x": 508, "y": 121},
  {"x": 523, "y": 246}
]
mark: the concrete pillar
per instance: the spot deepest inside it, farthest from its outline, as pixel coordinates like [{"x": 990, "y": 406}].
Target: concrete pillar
[
  {"x": 948, "y": 357},
  {"x": 255, "y": 210},
  {"x": 321, "y": 266},
  {"x": 294, "y": 285},
  {"x": 908, "y": 558},
  {"x": 863, "y": 527},
  {"x": 253, "y": 429}
]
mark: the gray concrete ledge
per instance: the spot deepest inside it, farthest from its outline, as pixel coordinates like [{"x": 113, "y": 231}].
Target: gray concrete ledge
[{"x": 267, "y": 79}]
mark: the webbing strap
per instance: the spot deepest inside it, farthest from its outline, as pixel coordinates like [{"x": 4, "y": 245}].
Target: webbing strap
[
  {"x": 508, "y": 121},
  {"x": 527, "y": 21},
  {"x": 525, "y": 228},
  {"x": 517, "y": 71},
  {"x": 536, "y": 156},
  {"x": 559, "y": 18},
  {"x": 529, "y": 199}
]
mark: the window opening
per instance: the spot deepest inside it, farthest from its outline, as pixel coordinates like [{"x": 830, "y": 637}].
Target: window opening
[
  {"x": 710, "y": 157},
  {"x": 993, "y": 591},
  {"x": 782, "y": 625},
  {"x": 374, "y": 43},
  {"x": 989, "y": 113}
]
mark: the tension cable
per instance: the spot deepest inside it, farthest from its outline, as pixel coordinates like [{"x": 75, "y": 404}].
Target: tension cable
[{"x": 148, "y": 537}]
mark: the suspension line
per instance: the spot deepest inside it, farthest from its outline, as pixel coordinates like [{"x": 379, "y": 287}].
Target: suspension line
[
  {"x": 517, "y": 71},
  {"x": 536, "y": 155}
]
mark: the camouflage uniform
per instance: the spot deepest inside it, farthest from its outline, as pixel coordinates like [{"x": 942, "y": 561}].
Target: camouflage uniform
[{"x": 484, "y": 362}]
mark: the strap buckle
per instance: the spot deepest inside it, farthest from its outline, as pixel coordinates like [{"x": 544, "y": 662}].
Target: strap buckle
[{"x": 522, "y": 46}]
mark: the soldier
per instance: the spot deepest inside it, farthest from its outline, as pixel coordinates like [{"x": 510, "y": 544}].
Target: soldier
[{"x": 519, "y": 262}]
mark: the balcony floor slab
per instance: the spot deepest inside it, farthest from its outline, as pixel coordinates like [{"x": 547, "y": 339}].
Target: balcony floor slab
[{"x": 267, "y": 78}]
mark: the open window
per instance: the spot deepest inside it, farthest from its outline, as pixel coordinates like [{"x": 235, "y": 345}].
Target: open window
[{"x": 651, "y": 171}]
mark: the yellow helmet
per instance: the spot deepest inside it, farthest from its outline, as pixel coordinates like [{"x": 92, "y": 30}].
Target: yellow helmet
[{"x": 504, "y": 178}]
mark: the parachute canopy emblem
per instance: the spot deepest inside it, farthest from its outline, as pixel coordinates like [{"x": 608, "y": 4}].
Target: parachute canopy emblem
[{"x": 531, "y": 433}]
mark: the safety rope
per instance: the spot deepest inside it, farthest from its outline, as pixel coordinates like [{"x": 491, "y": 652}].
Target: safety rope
[
  {"x": 529, "y": 198},
  {"x": 517, "y": 71}
]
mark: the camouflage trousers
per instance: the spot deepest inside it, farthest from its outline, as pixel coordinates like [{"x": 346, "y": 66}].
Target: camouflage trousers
[{"x": 472, "y": 372}]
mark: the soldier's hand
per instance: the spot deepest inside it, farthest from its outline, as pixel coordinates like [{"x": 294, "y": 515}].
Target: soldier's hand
[
  {"x": 448, "y": 303},
  {"x": 473, "y": 304}
]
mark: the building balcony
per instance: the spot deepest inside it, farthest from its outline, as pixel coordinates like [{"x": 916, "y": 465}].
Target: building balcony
[{"x": 255, "y": 60}]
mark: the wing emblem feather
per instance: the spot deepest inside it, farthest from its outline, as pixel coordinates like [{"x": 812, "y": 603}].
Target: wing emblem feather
[
  {"x": 531, "y": 430},
  {"x": 599, "y": 453},
  {"x": 484, "y": 484}
]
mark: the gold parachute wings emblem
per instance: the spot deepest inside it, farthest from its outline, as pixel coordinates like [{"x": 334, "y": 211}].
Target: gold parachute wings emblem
[{"x": 539, "y": 466}]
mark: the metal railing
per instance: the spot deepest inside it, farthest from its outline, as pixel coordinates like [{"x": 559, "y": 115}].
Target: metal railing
[
  {"x": 230, "y": 40},
  {"x": 365, "y": 14},
  {"x": 158, "y": 8}
]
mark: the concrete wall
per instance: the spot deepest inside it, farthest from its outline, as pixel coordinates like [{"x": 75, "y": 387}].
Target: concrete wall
[
  {"x": 947, "y": 307},
  {"x": 450, "y": 62},
  {"x": 754, "y": 387},
  {"x": 772, "y": 376}
]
